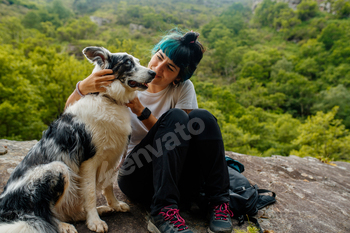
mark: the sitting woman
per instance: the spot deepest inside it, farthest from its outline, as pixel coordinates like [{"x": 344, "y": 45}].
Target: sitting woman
[{"x": 176, "y": 150}]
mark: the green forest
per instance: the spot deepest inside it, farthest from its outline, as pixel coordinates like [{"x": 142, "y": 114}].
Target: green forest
[{"x": 276, "y": 78}]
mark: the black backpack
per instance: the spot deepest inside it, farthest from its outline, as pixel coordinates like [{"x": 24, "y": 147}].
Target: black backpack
[{"x": 245, "y": 199}]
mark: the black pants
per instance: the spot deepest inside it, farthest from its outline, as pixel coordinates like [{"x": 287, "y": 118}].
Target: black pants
[{"x": 180, "y": 154}]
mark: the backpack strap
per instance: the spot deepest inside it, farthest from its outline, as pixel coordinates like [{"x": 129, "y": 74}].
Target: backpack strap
[
  {"x": 266, "y": 191},
  {"x": 265, "y": 200},
  {"x": 234, "y": 164}
]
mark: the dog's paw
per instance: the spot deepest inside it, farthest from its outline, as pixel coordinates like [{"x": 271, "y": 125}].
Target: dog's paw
[
  {"x": 97, "y": 225},
  {"x": 121, "y": 207},
  {"x": 66, "y": 228},
  {"x": 105, "y": 210}
]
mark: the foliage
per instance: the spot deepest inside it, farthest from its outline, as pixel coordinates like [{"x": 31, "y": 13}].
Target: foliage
[
  {"x": 307, "y": 9},
  {"x": 330, "y": 34},
  {"x": 266, "y": 71},
  {"x": 34, "y": 89},
  {"x": 324, "y": 137},
  {"x": 276, "y": 79},
  {"x": 335, "y": 96},
  {"x": 342, "y": 8},
  {"x": 77, "y": 29},
  {"x": 250, "y": 229}
]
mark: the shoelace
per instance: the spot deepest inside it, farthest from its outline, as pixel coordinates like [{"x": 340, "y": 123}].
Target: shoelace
[
  {"x": 221, "y": 212},
  {"x": 174, "y": 217}
]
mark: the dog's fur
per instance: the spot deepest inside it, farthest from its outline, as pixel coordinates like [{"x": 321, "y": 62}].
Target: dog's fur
[{"x": 58, "y": 179}]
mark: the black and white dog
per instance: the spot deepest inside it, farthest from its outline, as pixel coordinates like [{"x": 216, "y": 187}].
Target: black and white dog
[{"x": 58, "y": 179}]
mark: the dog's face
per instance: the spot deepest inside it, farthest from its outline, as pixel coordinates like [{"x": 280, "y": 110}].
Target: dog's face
[{"x": 126, "y": 67}]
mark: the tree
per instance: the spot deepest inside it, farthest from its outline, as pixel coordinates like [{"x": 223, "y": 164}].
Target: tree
[
  {"x": 257, "y": 64},
  {"x": 264, "y": 13},
  {"x": 220, "y": 31},
  {"x": 314, "y": 49},
  {"x": 225, "y": 61},
  {"x": 282, "y": 64},
  {"x": 335, "y": 96},
  {"x": 324, "y": 137},
  {"x": 32, "y": 20},
  {"x": 19, "y": 98},
  {"x": 57, "y": 7},
  {"x": 299, "y": 90},
  {"x": 78, "y": 29},
  {"x": 228, "y": 24},
  {"x": 341, "y": 8},
  {"x": 307, "y": 9},
  {"x": 335, "y": 75},
  {"x": 253, "y": 69},
  {"x": 340, "y": 52},
  {"x": 252, "y": 93},
  {"x": 285, "y": 19},
  {"x": 308, "y": 67},
  {"x": 330, "y": 35},
  {"x": 234, "y": 17},
  {"x": 12, "y": 31},
  {"x": 285, "y": 130}
]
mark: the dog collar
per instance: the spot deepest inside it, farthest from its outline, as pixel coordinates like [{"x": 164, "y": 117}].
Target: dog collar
[{"x": 111, "y": 99}]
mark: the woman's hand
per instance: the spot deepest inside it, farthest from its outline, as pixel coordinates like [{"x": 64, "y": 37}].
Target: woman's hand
[
  {"x": 96, "y": 82},
  {"x": 136, "y": 106}
]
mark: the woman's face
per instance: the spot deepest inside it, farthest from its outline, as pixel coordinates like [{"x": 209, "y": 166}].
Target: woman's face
[{"x": 165, "y": 68}]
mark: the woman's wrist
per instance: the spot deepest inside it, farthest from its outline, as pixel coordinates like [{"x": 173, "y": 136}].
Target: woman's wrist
[
  {"x": 139, "y": 111},
  {"x": 144, "y": 114},
  {"x": 77, "y": 89}
]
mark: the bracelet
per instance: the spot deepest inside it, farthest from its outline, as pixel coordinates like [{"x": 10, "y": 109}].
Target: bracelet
[{"x": 77, "y": 88}]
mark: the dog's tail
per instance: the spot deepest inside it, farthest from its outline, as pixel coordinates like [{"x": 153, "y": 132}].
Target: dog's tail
[{"x": 36, "y": 225}]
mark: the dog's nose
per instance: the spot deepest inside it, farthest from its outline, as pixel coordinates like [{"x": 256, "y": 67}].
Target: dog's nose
[{"x": 152, "y": 73}]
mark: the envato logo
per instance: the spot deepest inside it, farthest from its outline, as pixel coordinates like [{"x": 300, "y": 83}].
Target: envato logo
[{"x": 170, "y": 140}]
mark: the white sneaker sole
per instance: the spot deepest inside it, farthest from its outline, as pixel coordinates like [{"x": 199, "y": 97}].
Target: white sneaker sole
[
  {"x": 209, "y": 231},
  {"x": 152, "y": 228}
]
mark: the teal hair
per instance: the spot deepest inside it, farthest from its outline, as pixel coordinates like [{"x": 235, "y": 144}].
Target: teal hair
[{"x": 184, "y": 50}]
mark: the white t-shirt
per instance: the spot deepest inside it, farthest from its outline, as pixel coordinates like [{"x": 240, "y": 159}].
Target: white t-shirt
[{"x": 183, "y": 97}]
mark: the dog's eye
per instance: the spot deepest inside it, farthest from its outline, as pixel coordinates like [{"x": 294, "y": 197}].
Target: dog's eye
[{"x": 128, "y": 63}]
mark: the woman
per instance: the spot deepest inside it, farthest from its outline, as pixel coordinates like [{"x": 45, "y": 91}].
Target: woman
[{"x": 175, "y": 149}]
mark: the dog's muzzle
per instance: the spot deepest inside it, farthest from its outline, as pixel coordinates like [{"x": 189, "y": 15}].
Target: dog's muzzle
[{"x": 133, "y": 83}]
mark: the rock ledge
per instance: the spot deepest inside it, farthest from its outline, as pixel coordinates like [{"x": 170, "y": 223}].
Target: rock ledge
[{"x": 311, "y": 196}]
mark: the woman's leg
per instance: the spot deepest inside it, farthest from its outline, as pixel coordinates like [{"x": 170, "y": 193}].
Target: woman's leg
[
  {"x": 152, "y": 170},
  {"x": 205, "y": 162}
]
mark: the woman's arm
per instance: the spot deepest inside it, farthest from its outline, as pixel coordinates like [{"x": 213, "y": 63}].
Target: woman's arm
[
  {"x": 137, "y": 108},
  {"x": 94, "y": 83}
]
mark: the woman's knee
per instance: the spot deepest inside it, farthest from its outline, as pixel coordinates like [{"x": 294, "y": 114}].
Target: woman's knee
[
  {"x": 204, "y": 124},
  {"x": 174, "y": 116},
  {"x": 202, "y": 114}
]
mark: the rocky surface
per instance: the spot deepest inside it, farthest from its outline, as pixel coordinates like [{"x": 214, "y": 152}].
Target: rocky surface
[
  {"x": 292, "y": 3},
  {"x": 311, "y": 196},
  {"x": 135, "y": 27},
  {"x": 99, "y": 21}
]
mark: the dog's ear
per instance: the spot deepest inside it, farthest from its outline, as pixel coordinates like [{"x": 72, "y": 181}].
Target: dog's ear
[{"x": 97, "y": 54}]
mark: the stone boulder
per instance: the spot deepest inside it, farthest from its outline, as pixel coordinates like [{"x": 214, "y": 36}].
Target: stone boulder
[
  {"x": 99, "y": 21},
  {"x": 292, "y": 3},
  {"x": 311, "y": 196}
]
